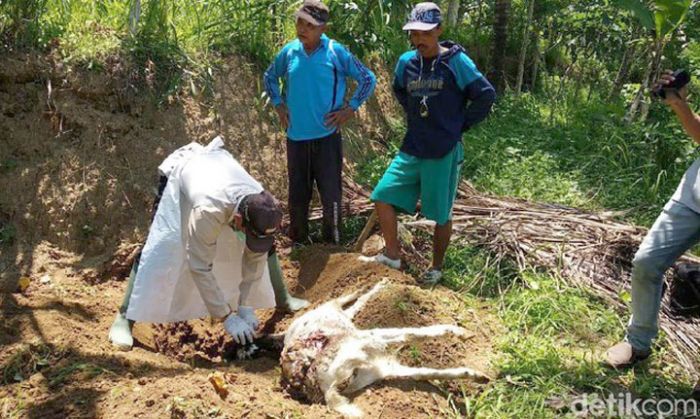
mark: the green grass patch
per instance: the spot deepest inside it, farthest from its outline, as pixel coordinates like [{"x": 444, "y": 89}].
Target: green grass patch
[
  {"x": 555, "y": 338},
  {"x": 29, "y": 359},
  {"x": 476, "y": 272},
  {"x": 85, "y": 371},
  {"x": 586, "y": 157}
]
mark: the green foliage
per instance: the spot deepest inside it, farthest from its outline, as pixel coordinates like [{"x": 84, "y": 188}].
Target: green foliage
[
  {"x": 663, "y": 17},
  {"x": 87, "y": 371},
  {"x": 551, "y": 352},
  {"x": 474, "y": 271},
  {"x": 640, "y": 11},
  {"x": 584, "y": 156},
  {"x": 371, "y": 169},
  {"x": 27, "y": 360},
  {"x": 369, "y": 26},
  {"x": 669, "y": 14}
]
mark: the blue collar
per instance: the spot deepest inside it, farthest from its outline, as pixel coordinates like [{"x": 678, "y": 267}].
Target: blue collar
[{"x": 325, "y": 40}]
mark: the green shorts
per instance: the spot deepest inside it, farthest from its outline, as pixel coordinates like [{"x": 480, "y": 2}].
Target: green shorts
[{"x": 434, "y": 181}]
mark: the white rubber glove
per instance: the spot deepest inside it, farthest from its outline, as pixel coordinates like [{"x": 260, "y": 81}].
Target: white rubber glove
[
  {"x": 248, "y": 314},
  {"x": 238, "y": 328}
]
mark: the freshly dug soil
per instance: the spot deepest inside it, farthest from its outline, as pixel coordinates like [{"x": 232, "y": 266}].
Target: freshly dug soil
[{"x": 325, "y": 273}]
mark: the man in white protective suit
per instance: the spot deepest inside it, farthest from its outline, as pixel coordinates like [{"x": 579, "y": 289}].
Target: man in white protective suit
[{"x": 208, "y": 249}]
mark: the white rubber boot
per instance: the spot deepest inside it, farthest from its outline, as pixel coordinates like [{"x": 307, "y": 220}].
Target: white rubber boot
[
  {"x": 120, "y": 333},
  {"x": 296, "y": 304}
]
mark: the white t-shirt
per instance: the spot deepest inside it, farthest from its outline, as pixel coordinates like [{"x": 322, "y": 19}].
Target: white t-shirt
[{"x": 688, "y": 191}]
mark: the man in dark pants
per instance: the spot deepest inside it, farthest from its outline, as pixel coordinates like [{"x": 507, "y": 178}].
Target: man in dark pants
[{"x": 312, "y": 111}]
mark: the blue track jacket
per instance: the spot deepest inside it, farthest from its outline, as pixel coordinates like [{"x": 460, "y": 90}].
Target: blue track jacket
[
  {"x": 458, "y": 97},
  {"x": 315, "y": 85}
]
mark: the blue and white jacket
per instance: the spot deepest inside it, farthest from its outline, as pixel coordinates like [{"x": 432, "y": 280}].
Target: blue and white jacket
[
  {"x": 315, "y": 85},
  {"x": 458, "y": 97}
]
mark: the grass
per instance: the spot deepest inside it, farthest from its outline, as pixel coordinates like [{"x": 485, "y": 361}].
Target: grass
[
  {"x": 84, "y": 371},
  {"x": 589, "y": 158},
  {"x": 550, "y": 354},
  {"x": 7, "y": 234}
]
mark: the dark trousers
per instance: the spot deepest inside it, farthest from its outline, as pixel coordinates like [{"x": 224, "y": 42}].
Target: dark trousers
[{"x": 319, "y": 161}]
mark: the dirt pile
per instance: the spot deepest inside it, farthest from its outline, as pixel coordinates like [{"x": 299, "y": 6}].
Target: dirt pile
[{"x": 323, "y": 273}]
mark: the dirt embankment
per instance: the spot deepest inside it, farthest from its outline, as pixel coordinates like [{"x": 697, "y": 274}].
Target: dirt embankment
[
  {"x": 77, "y": 169},
  {"x": 79, "y": 151}
]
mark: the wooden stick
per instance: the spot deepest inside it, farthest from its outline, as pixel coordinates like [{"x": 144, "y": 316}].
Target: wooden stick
[{"x": 366, "y": 231}]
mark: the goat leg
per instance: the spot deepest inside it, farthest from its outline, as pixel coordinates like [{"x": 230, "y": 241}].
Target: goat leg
[
  {"x": 404, "y": 334},
  {"x": 341, "y": 404},
  {"x": 391, "y": 369},
  {"x": 362, "y": 300}
]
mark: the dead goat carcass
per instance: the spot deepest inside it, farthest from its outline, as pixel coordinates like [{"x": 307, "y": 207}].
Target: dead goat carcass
[{"x": 326, "y": 356}]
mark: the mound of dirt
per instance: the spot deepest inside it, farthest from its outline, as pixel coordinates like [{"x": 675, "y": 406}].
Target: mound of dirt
[
  {"x": 320, "y": 274},
  {"x": 328, "y": 272},
  {"x": 409, "y": 306},
  {"x": 323, "y": 273},
  {"x": 196, "y": 340}
]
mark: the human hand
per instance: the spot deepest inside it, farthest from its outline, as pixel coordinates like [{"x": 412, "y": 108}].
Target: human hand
[
  {"x": 283, "y": 114},
  {"x": 340, "y": 117},
  {"x": 673, "y": 96},
  {"x": 239, "y": 329},
  {"x": 248, "y": 315}
]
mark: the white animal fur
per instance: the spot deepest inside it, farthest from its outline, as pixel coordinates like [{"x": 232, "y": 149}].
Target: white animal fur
[{"x": 326, "y": 356}]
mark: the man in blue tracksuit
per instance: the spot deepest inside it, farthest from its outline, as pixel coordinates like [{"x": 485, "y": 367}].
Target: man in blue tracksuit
[
  {"x": 312, "y": 110},
  {"x": 443, "y": 95}
]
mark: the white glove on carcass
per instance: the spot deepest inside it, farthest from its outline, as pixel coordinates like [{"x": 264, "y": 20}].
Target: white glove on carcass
[
  {"x": 238, "y": 328},
  {"x": 248, "y": 314}
]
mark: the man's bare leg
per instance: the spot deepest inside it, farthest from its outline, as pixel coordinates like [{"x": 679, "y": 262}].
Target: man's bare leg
[
  {"x": 386, "y": 214},
  {"x": 441, "y": 239},
  {"x": 389, "y": 226}
]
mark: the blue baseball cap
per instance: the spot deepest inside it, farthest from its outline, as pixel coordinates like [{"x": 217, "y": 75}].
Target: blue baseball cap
[{"x": 424, "y": 17}]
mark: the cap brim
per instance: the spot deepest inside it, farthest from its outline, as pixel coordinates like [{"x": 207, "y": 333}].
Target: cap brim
[
  {"x": 258, "y": 245},
  {"x": 419, "y": 26},
  {"x": 300, "y": 14}
]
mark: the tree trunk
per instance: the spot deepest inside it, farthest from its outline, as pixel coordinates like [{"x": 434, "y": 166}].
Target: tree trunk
[
  {"x": 452, "y": 13},
  {"x": 500, "y": 41},
  {"x": 639, "y": 106},
  {"x": 658, "y": 54},
  {"x": 535, "y": 59},
  {"x": 134, "y": 16},
  {"x": 524, "y": 47},
  {"x": 622, "y": 72},
  {"x": 479, "y": 18}
]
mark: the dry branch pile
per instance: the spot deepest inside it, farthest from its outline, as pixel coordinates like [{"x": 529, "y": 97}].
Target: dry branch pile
[{"x": 590, "y": 250}]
